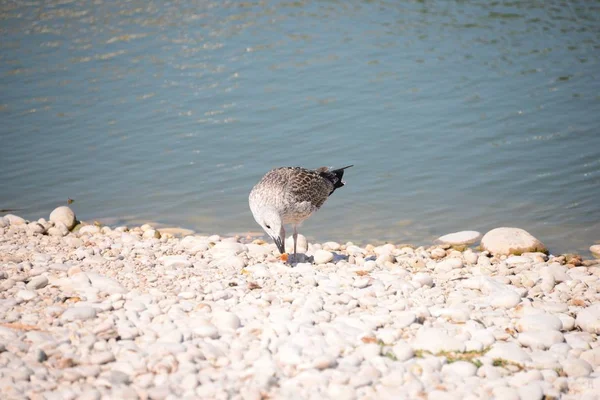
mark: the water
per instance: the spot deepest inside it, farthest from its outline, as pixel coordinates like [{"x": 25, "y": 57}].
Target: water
[{"x": 456, "y": 114}]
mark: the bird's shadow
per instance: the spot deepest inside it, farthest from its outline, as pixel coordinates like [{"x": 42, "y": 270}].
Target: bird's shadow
[
  {"x": 294, "y": 259},
  {"x": 339, "y": 257}
]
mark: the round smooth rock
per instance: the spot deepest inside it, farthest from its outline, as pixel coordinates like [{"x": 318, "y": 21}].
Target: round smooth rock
[
  {"x": 506, "y": 241},
  {"x": 436, "y": 340},
  {"x": 575, "y": 368},
  {"x": 539, "y": 322},
  {"x": 592, "y": 356},
  {"x": 103, "y": 357},
  {"x": 78, "y": 313},
  {"x": 423, "y": 279},
  {"x": 460, "y": 238},
  {"x": 14, "y": 219},
  {"x": 463, "y": 369},
  {"x": 175, "y": 261},
  {"x": 335, "y": 246},
  {"x": 37, "y": 282},
  {"x": 151, "y": 234},
  {"x": 89, "y": 229},
  {"x": 36, "y": 227},
  {"x": 448, "y": 264},
  {"x": 504, "y": 299},
  {"x": 323, "y": 257},
  {"x": 543, "y": 339},
  {"x": 229, "y": 247},
  {"x": 64, "y": 215},
  {"x": 438, "y": 253},
  {"x": 403, "y": 351},
  {"x": 104, "y": 283},
  {"x": 588, "y": 319},
  {"x": 26, "y": 295},
  {"x": 206, "y": 330},
  {"x": 508, "y": 351},
  {"x": 595, "y": 250},
  {"x": 505, "y": 393},
  {"x": 226, "y": 321},
  {"x": 531, "y": 391}
]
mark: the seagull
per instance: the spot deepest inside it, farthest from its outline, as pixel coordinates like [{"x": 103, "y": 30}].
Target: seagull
[{"x": 289, "y": 195}]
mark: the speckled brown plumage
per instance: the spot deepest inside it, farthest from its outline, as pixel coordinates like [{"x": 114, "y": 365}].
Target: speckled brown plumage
[{"x": 296, "y": 192}]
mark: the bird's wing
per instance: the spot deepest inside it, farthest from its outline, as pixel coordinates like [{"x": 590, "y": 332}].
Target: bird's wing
[{"x": 308, "y": 186}]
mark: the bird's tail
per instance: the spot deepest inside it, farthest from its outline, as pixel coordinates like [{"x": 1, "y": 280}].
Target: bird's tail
[{"x": 334, "y": 176}]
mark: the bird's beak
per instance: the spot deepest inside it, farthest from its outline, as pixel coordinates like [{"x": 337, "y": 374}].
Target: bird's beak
[{"x": 279, "y": 243}]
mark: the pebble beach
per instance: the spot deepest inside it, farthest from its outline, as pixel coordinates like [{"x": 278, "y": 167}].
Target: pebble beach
[{"x": 98, "y": 312}]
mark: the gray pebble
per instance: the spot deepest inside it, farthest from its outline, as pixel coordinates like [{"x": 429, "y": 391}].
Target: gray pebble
[{"x": 37, "y": 282}]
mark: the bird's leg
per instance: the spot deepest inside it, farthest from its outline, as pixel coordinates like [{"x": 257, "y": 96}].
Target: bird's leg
[{"x": 295, "y": 240}]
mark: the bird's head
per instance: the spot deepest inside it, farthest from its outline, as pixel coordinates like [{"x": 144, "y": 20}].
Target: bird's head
[{"x": 271, "y": 222}]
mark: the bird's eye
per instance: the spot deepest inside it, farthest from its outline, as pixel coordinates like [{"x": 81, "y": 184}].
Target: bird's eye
[{"x": 268, "y": 227}]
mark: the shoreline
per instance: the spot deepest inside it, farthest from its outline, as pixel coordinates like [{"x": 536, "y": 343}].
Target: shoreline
[{"x": 136, "y": 313}]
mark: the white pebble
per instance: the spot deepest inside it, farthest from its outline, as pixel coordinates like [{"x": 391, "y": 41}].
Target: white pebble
[
  {"x": 78, "y": 313},
  {"x": 588, "y": 319},
  {"x": 63, "y": 215},
  {"x": 226, "y": 321},
  {"x": 436, "y": 340},
  {"x": 576, "y": 368},
  {"x": 508, "y": 351},
  {"x": 531, "y": 391},
  {"x": 403, "y": 351},
  {"x": 175, "y": 261},
  {"x": 540, "y": 339},
  {"x": 26, "y": 295},
  {"x": 460, "y": 238},
  {"x": 539, "y": 322},
  {"x": 462, "y": 369},
  {"x": 323, "y": 257}
]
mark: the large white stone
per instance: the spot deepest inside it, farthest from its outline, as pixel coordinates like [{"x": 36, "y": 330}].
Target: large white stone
[
  {"x": 226, "y": 321},
  {"x": 105, "y": 284},
  {"x": 64, "y": 215},
  {"x": 505, "y": 241},
  {"x": 508, "y": 351},
  {"x": 592, "y": 356},
  {"x": 543, "y": 339},
  {"x": 575, "y": 368},
  {"x": 460, "y": 238},
  {"x": 403, "y": 351},
  {"x": 78, "y": 313},
  {"x": 14, "y": 219},
  {"x": 436, "y": 340},
  {"x": 531, "y": 391},
  {"x": 504, "y": 299},
  {"x": 37, "y": 282},
  {"x": 195, "y": 244},
  {"x": 588, "y": 319},
  {"x": 26, "y": 295},
  {"x": 229, "y": 247},
  {"x": 323, "y": 257},
  {"x": 595, "y": 250},
  {"x": 462, "y": 369},
  {"x": 539, "y": 322}
]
